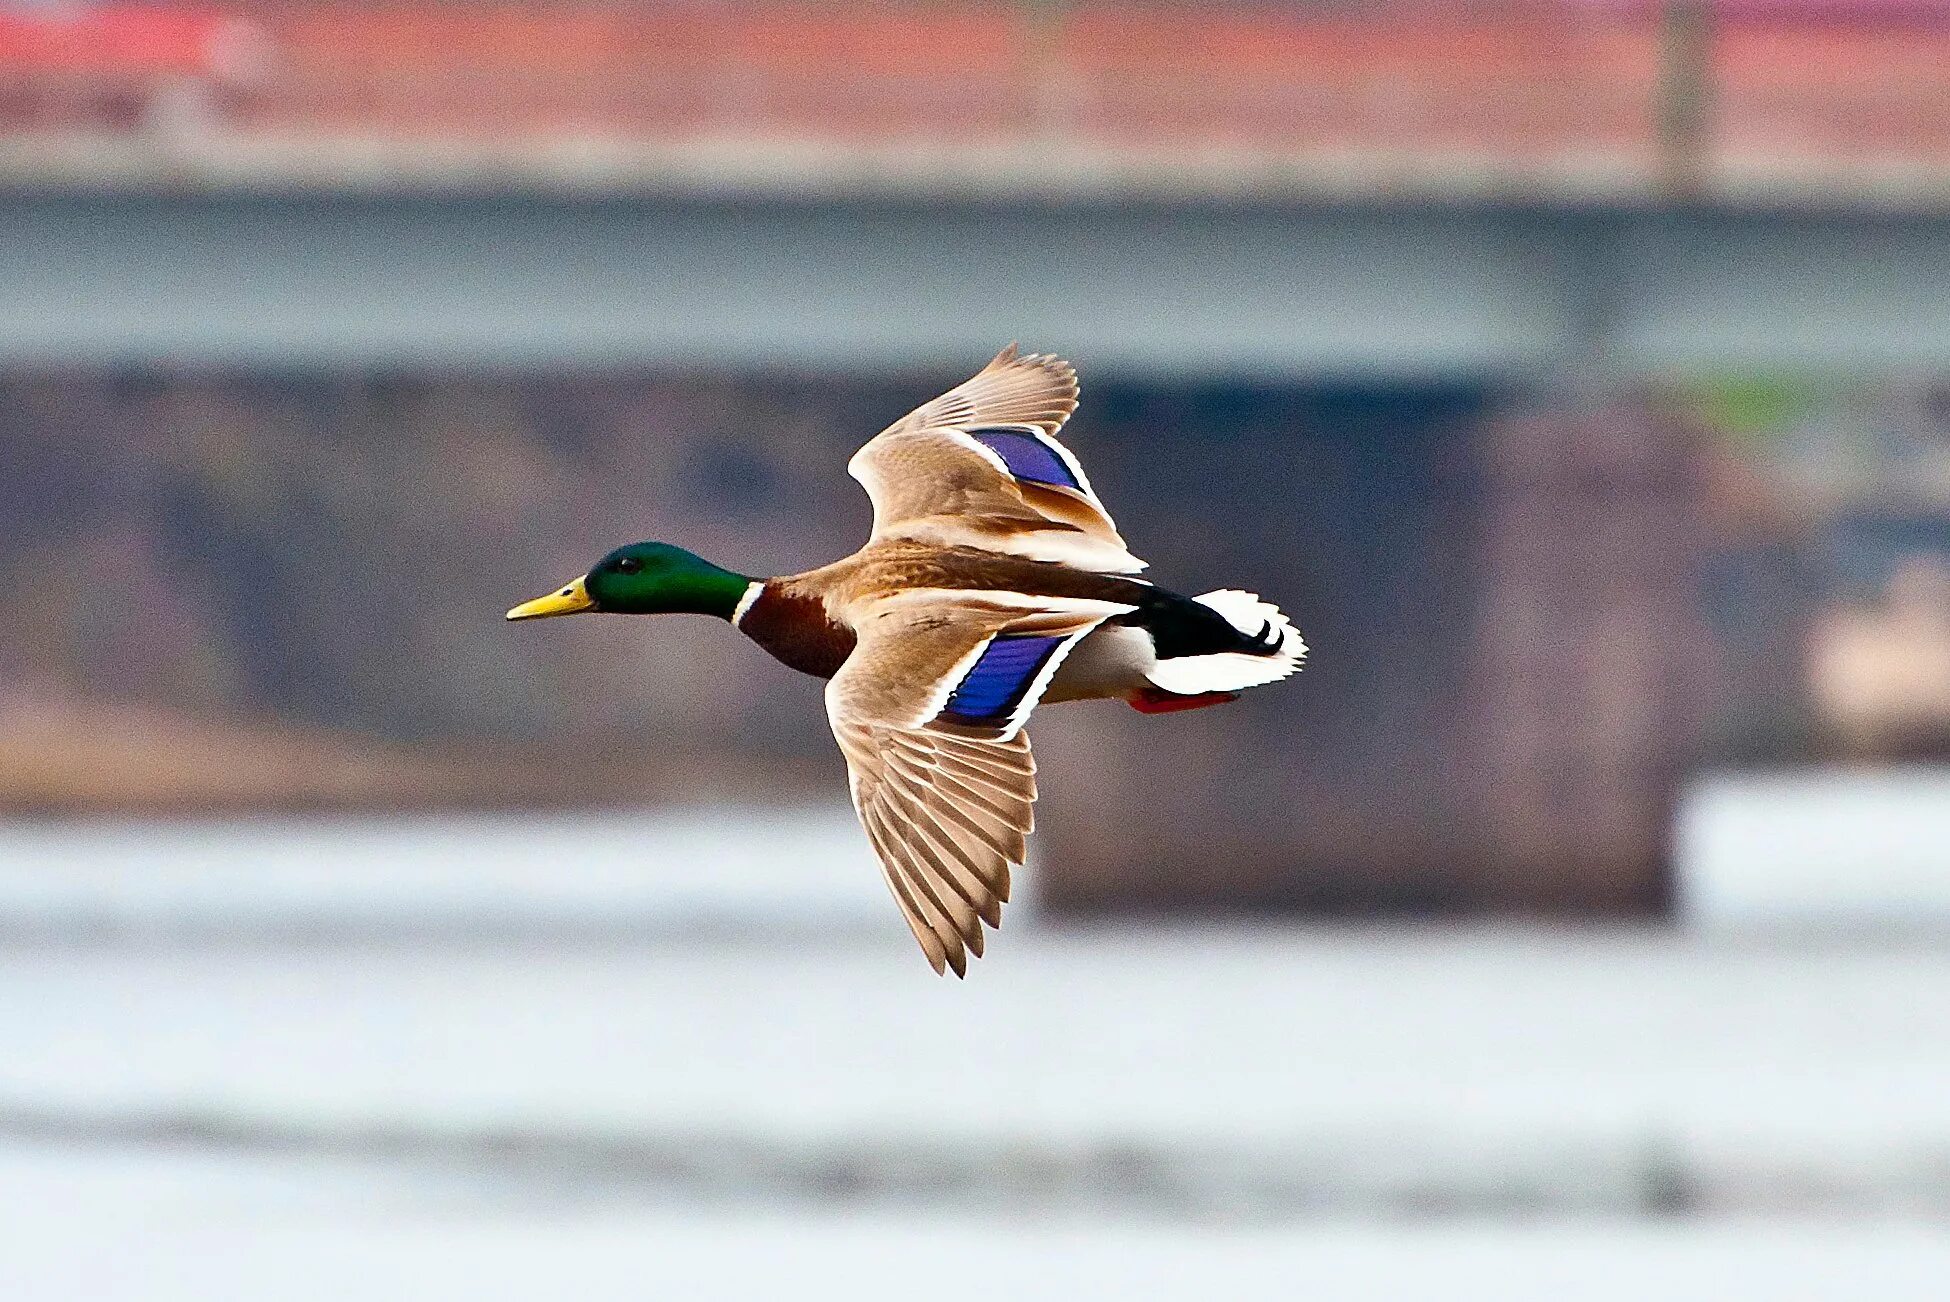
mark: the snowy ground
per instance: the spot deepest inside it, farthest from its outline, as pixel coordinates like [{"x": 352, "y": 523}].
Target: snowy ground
[{"x": 518, "y": 1082}]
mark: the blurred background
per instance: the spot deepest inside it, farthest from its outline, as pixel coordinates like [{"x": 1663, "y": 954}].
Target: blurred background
[{"x": 1576, "y": 373}]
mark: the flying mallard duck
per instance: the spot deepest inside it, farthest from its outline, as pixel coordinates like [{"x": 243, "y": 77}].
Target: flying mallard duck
[{"x": 994, "y": 580}]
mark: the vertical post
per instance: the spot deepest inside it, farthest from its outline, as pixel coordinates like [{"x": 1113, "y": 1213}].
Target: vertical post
[
  {"x": 1685, "y": 106},
  {"x": 1042, "y": 56}
]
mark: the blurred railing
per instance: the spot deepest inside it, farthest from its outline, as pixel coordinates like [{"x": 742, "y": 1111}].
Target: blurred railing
[
  {"x": 113, "y": 67},
  {"x": 1611, "y": 97}
]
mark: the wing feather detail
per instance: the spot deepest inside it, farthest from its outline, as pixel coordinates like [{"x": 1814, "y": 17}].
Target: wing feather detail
[
  {"x": 947, "y": 807},
  {"x": 949, "y": 874},
  {"x": 981, "y": 466}
]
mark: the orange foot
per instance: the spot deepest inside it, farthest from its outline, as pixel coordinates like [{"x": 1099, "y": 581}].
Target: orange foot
[{"x": 1156, "y": 700}]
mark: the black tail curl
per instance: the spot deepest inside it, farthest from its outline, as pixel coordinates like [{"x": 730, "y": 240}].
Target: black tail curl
[{"x": 1180, "y": 626}]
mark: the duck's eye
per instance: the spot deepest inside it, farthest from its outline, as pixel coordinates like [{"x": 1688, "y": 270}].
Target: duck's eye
[{"x": 628, "y": 565}]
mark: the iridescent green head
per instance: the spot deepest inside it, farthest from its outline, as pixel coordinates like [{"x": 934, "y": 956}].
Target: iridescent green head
[{"x": 646, "y": 578}]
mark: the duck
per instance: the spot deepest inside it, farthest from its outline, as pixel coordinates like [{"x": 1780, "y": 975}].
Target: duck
[{"x": 994, "y": 581}]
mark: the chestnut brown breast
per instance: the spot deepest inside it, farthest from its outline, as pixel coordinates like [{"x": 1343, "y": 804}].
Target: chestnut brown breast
[{"x": 796, "y": 630}]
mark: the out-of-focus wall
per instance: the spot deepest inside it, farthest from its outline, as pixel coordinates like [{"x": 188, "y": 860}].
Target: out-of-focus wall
[
  {"x": 335, "y": 551},
  {"x": 1573, "y": 373},
  {"x": 1532, "y": 616}
]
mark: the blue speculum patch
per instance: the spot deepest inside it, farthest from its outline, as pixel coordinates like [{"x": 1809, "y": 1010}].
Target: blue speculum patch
[
  {"x": 1026, "y": 456},
  {"x": 995, "y": 686}
]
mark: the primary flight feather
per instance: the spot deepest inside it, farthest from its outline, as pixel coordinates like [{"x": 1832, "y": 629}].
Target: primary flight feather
[{"x": 994, "y": 581}]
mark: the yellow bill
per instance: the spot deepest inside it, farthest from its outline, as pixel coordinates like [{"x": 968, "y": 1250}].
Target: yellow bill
[{"x": 572, "y": 598}]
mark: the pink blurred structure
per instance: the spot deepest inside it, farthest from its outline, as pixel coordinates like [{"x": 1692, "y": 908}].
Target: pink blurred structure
[{"x": 1583, "y": 98}]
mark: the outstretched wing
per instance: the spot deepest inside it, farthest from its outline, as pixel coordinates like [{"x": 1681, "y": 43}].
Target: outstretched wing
[
  {"x": 981, "y": 466},
  {"x": 928, "y": 711}
]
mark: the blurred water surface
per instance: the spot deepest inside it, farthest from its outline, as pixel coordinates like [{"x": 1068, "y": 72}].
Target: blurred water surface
[
  {"x": 167, "y": 1226},
  {"x": 765, "y": 1038}
]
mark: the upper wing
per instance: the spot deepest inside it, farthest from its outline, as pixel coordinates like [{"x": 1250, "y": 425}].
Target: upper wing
[
  {"x": 928, "y": 711},
  {"x": 981, "y": 466}
]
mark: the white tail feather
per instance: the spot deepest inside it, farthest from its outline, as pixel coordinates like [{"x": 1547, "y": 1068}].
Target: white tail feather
[{"x": 1231, "y": 671}]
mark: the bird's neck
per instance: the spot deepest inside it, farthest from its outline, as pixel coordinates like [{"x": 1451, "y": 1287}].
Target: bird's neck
[
  {"x": 704, "y": 589},
  {"x": 794, "y": 626}
]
